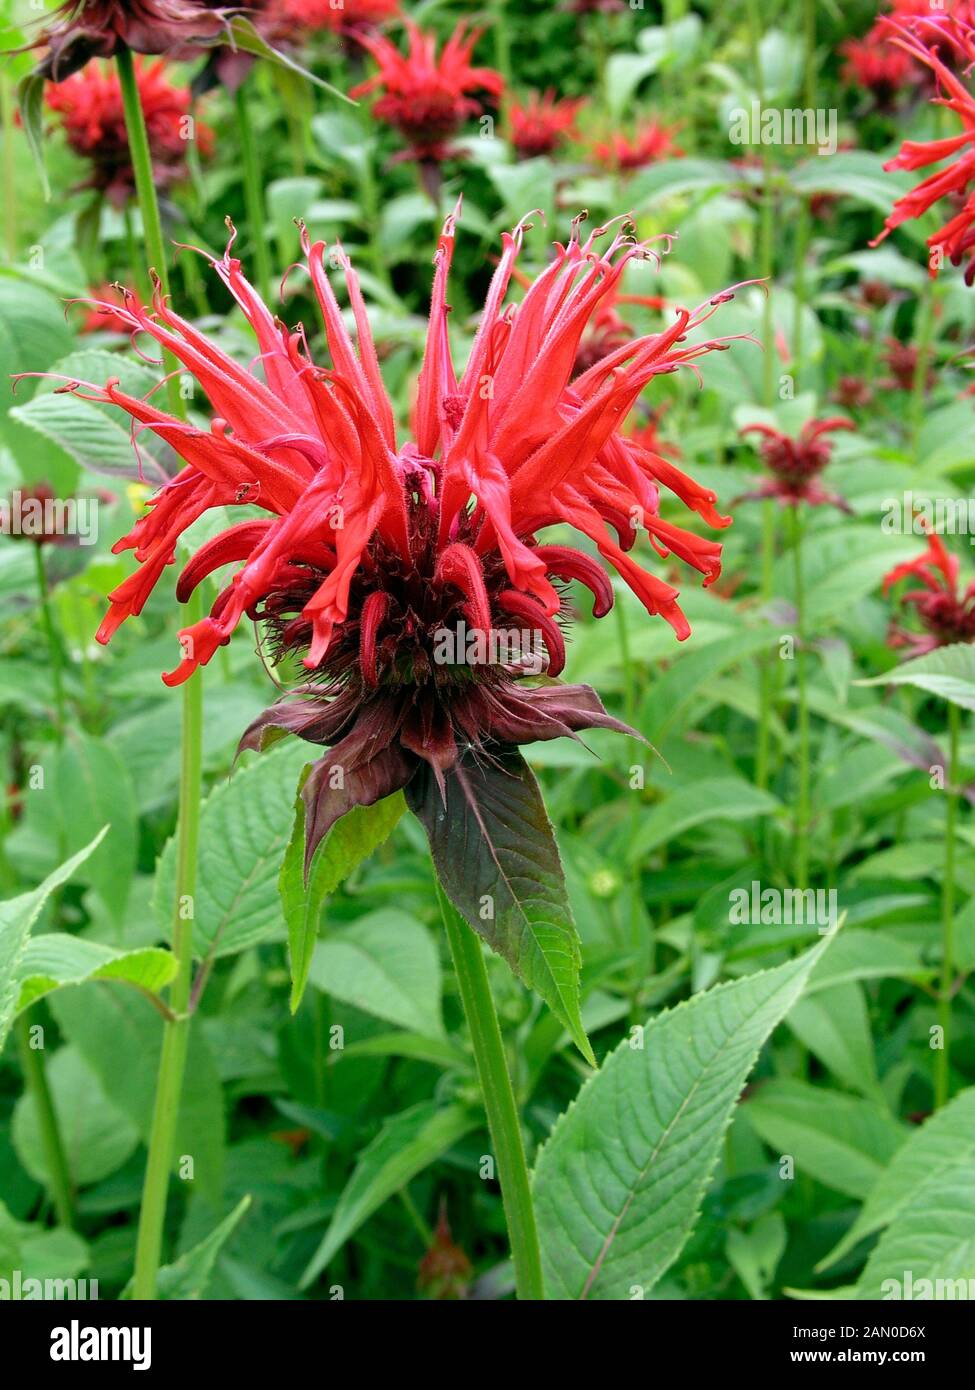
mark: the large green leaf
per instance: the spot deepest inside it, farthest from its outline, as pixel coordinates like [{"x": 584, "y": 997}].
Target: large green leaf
[
  {"x": 495, "y": 854},
  {"x": 931, "y": 1239},
  {"x": 351, "y": 840},
  {"x": 17, "y": 918},
  {"x": 385, "y": 963},
  {"x": 945, "y": 1143},
  {"x": 406, "y": 1144},
  {"x": 245, "y": 825},
  {"x": 841, "y": 1141},
  {"x": 712, "y": 798},
  {"x": 619, "y": 1183},
  {"x": 57, "y": 959},
  {"x": 833, "y": 1024},
  {"x": 97, "y": 1136},
  {"x": 89, "y": 785},
  {"x": 947, "y": 671}
]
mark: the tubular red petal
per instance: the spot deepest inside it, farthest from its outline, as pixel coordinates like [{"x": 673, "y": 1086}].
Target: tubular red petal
[
  {"x": 373, "y": 612},
  {"x": 235, "y": 544},
  {"x": 521, "y": 606},
  {"x": 566, "y": 563},
  {"x": 459, "y": 565}
]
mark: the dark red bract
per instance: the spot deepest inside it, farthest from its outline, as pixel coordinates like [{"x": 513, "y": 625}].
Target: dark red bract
[{"x": 946, "y": 613}]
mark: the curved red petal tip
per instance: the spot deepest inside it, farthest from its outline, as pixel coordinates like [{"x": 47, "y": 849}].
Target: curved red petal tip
[
  {"x": 373, "y": 612},
  {"x": 525, "y": 608}
]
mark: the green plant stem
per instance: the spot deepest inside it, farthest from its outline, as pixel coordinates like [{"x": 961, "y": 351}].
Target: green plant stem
[
  {"x": 942, "y": 1074},
  {"x": 499, "y": 1100},
  {"x": 56, "y": 1163},
  {"x": 803, "y": 222},
  {"x": 53, "y": 646},
  {"x": 801, "y": 821},
  {"x": 135, "y": 125},
  {"x": 502, "y": 43},
  {"x": 253, "y": 193},
  {"x": 8, "y": 120},
  {"x": 172, "y": 1061},
  {"x": 925, "y": 335}
]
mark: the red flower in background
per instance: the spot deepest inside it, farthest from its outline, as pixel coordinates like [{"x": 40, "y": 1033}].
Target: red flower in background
[
  {"x": 873, "y": 64},
  {"x": 336, "y": 15},
  {"x": 370, "y": 548},
  {"x": 651, "y": 141},
  {"x": 101, "y": 316},
  {"x": 902, "y": 358},
  {"x": 90, "y": 107},
  {"x": 426, "y": 95},
  {"x": 795, "y": 464},
  {"x": 956, "y": 239},
  {"x": 946, "y": 614},
  {"x": 85, "y": 29},
  {"x": 543, "y": 123}
]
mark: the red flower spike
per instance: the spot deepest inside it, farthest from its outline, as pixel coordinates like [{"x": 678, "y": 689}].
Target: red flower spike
[
  {"x": 946, "y": 614},
  {"x": 543, "y": 123},
  {"x": 374, "y": 555}
]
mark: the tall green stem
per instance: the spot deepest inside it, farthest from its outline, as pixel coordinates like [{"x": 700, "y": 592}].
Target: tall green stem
[
  {"x": 172, "y": 1061},
  {"x": 919, "y": 386},
  {"x": 56, "y": 1163},
  {"x": 253, "y": 193},
  {"x": 803, "y": 223},
  {"x": 53, "y": 645},
  {"x": 942, "y": 1073},
  {"x": 801, "y": 821},
  {"x": 135, "y": 125},
  {"x": 499, "y": 1100},
  {"x": 766, "y": 237}
]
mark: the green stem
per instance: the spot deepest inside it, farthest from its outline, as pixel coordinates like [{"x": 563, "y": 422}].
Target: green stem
[
  {"x": 56, "y": 1164},
  {"x": 502, "y": 44},
  {"x": 803, "y": 226},
  {"x": 8, "y": 119},
  {"x": 253, "y": 194},
  {"x": 499, "y": 1100},
  {"x": 801, "y": 822},
  {"x": 53, "y": 646},
  {"x": 135, "y": 125},
  {"x": 172, "y": 1061},
  {"x": 942, "y": 1074},
  {"x": 922, "y": 366}
]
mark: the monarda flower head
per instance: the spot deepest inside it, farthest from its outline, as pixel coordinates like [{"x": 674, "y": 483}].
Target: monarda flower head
[
  {"x": 542, "y": 124},
  {"x": 624, "y": 153},
  {"x": 795, "y": 464},
  {"x": 427, "y": 96},
  {"x": 85, "y": 29},
  {"x": 90, "y": 107},
  {"x": 945, "y": 611}
]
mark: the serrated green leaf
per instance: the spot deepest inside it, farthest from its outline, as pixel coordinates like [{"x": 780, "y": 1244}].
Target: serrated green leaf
[
  {"x": 928, "y": 1250},
  {"x": 406, "y": 1144},
  {"x": 189, "y": 1276},
  {"x": 495, "y": 854},
  {"x": 351, "y": 840},
  {"x": 56, "y": 959},
  {"x": 619, "y": 1182},
  {"x": 943, "y": 1143},
  {"x": 17, "y": 918},
  {"x": 387, "y": 965}
]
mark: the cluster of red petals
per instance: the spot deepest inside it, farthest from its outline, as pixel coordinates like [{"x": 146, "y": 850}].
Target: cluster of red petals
[
  {"x": 873, "y": 64},
  {"x": 947, "y": 615},
  {"x": 650, "y": 142},
  {"x": 93, "y": 117},
  {"x": 927, "y": 40},
  {"x": 901, "y": 359},
  {"x": 311, "y": 16},
  {"x": 85, "y": 29},
  {"x": 364, "y": 545},
  {"x": 543, "y": 123},
  {"x": 426, "y": 95},
  {"x": 795, "y": 464}
]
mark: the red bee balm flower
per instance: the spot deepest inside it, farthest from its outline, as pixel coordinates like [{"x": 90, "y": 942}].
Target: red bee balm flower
[
  {"x": 407, "y": 575},
  {"x": 344, "y": 15},
  {"x": 91, "y": 111},
  {"x": 956, "y": 239},
  {"x": 870, "y": 63},
  {"x": 542, "y": 124},
  {"x": 426, "y": 96},
  {"x": 795, "y": 464},
  {"x": 85, "y": 29},
  {"x": 946, "y": 615},
  {"x": 652, "y": 141}
]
